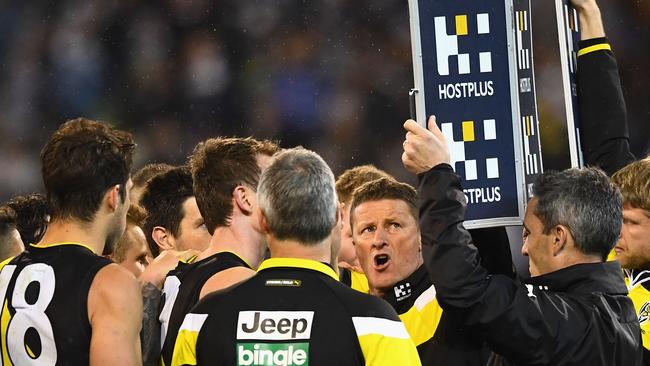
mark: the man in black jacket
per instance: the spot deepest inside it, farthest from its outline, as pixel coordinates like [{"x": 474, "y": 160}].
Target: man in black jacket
[
  {"x": 605, "y": 143},
  {"x": 574, "y": 310}
]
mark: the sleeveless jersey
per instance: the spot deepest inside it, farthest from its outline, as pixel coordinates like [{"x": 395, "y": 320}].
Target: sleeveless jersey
[
  {"x": 44, "y": 319},
  {"x": 356, "y": 280},
  {"x": 181, "y": 292},
  {"x": 293, "y": 312},
  {"x": 638, "y": 284}
]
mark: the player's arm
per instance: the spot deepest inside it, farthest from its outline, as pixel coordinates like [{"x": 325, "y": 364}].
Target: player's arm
[
  {"x": 115, "y": 315},
  {"x": 591, "y": 23},
  {"x": 150, "y": 334},
  {"x": 226, "y": 278},
  {"x": 157, "y": 270},
  {"x": 603, "y": 115}
]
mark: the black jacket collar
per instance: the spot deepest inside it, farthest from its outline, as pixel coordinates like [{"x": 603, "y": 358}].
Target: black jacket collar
[
  {"x": 585, "y": 278},
  {"x": 403, "y": 294}
]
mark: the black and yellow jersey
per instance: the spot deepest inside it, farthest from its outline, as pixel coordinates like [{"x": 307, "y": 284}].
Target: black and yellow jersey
[
  {"x": 293, "y": 312},
  {"x": 638, "y": 285},
  {"x": 438, "y": 335},
  {"x": 356, "y": 280},
  {"x": 44, "y": 318},
  {"x": 181, "y": 292}
]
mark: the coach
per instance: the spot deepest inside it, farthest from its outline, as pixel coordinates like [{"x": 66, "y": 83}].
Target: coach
[{"x": 574, "y": 310}]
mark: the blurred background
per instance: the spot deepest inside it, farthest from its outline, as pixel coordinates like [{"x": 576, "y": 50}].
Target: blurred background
[{"x": 331, "y": 75}]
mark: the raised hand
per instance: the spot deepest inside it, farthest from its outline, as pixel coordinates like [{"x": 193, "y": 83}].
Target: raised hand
[{"x": 424, "y": 148}]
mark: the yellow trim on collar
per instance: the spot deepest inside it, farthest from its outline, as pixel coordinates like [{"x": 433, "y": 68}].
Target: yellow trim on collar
[
  {"x": 238, "y": 256},
  {"x": 4, "y": 262},
  {"x": 299, "y": 263},
  {"x": 596, "y": 47},
  {"x": 59, "y": 244}
]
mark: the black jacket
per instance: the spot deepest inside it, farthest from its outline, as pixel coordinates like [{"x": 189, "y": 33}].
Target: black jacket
[
  {"x": 603, "y": 118},
  {"x": 293, "y": 312},
  {"x": 579, "y": 315},
  {"x": 604, "y": 132}
]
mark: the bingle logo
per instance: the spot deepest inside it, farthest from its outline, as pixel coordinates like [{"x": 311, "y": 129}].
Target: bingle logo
[
  {"x": 277, "y": 354},
  {"x": 447, "y": 45},
  {"x": 274, "y": 325}
]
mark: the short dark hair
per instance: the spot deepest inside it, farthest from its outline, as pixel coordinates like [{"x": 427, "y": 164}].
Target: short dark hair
[
  {"x": 8, "y": 245},
  {"x": 31, "y": 216},
  {"x": 218, "y": 166},
  {"x": 80, "y": 162},
  {"x": 586, "y": 202},
  {"x": 353, "y": 178},
  {"x": 7, "y": 219},
  {"x": 163, "y": 200},
  {"x": 144, "y": 175},
  {"x": 385, "y": 189}
]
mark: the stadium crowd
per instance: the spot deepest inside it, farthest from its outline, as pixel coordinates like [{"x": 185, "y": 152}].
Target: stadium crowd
[
  {"x": 330, "y": 75},
  {"x": 252, "y": 254}
]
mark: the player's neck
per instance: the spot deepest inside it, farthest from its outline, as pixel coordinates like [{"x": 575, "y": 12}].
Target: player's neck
[
  {"x": 72, "y": 231},
  {"x": 320, "y": 252},
  {"x": 238, "y": 240}
]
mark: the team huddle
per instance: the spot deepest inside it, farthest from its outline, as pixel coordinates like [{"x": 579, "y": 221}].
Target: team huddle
[{"x": 253, "y": 254}]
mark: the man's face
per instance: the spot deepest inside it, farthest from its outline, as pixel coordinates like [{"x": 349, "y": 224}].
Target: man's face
[
  {"x": 537, "y": 245},
  {"x": 347, "y": 252},
  {"x": 387, "y": 241},
  {"x": 118, "y": 223},
  {"x": 192, "y": 233},
  {"x": 263, "y": 162},
  {"x": 633, "y": 248},
  {"x": 11, "y": 240},
  {"x": 135, "y": 258}
]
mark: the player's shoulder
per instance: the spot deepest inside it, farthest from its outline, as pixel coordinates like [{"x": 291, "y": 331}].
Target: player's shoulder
[
  {"x": 226, "y": 278},
  {"x": 225, "y": 298},
  {"x": 114, "y": 281}
]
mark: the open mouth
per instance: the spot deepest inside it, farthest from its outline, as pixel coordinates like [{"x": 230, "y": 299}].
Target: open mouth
[{"x": 381, "y": 261}]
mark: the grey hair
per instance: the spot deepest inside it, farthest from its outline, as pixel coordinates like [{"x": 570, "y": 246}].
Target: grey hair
[
  {"x": 297, "y": 195},
  {"x": 585, "y": 201}
]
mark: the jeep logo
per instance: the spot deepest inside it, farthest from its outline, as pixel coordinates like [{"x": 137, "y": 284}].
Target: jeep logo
[{"x": 274, "y": 325}]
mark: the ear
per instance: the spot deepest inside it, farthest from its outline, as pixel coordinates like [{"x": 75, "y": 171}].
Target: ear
[
  {"x": 164, "y": 240},
  {"x": 242, "y": 198},
  {"x": 339, "y": 214},
  {"x": 264, "y": 226},
  {"x": 561, "y": 237},
  {"x": 112, "y": 197}
]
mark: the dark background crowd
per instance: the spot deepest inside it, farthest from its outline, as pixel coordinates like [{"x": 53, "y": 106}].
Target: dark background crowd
[{"x": 331, "y": 75}]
